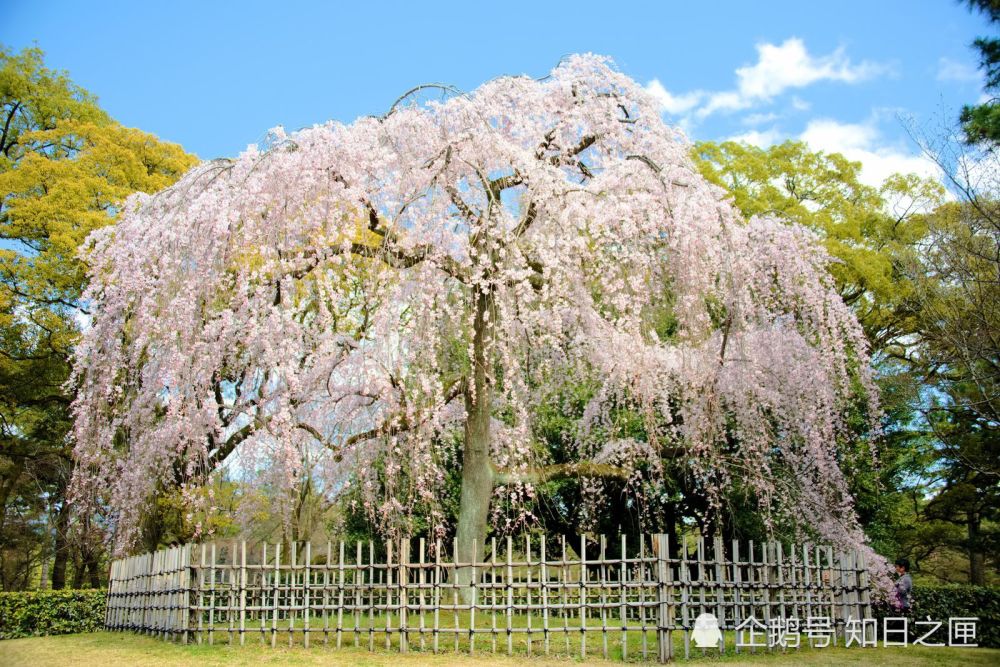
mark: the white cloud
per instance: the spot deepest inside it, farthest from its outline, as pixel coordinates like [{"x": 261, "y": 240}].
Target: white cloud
[
  {"x": 863, "y": 143},
  {"x": 800, "y": 104},
  {"x": 759, "y": 118},
  {"x": 952, "y": 70},
  {"x": 832, "y": 136},
  {"x": 783, "y": 67},
  {"x": 673, "y": 104},
  {"x": 791, "y": 66},
  {"x": 729, "y": 100},
  {"x": 762, "y": 138}
]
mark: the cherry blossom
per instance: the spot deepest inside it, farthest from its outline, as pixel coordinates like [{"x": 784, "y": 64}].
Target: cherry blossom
[{"x": 383, "y": 290}]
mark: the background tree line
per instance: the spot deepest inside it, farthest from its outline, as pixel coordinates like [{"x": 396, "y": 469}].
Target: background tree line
[
  {"x": 65, "y": 166},
  {"x": 919, "y": 264}
]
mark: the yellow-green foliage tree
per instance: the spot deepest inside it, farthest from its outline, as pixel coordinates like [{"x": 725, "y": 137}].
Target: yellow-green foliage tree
[
  {"x": 65, "y": 166},
  {"x": 922, "y": 277},
  {"x": 871, "y": 233},
  {"x": 868, "y": 229}
]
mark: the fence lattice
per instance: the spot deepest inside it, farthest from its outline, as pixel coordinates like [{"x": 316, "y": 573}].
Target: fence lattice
[{"x": 627, "y": 598}]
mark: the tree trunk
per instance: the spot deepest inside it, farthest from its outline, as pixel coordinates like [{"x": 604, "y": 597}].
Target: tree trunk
[
  {"x": 670, "y": 528},
  {"x": 79, "y": 571},
  {"x": 93, "y": 569},
  {"x": 977, "y": 559},
  {"x": 153, "y": 528},
  {"x": 61, "y": 547},
  {"x": 477, "y": 468},
  {"x": 43, "y": 579},
  {"x": 7, "y": 485}
]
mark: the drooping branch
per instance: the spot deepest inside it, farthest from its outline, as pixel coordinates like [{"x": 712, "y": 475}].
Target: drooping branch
[
  {"x": 394, "y": 423},
  {"x": 586, "y": 142},
  {"x": 460, "y": 204},
  {"x": 529, "y": 217},
  {"x": 387, "y": 252},
  {"x": 563, "y": 471},
  {"x": 726, "y": 328},
  {"x": 416, "y": 89},
  {"x": 338, "y": 450},
  {"x": 498, "y": 185},
  {"x": 232, "y": 442}
]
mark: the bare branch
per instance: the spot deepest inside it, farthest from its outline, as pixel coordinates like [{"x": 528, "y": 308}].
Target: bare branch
[
  {"x": 416, "y": 89},
  {"x": 460, "y": 204},
  {"x": 585, "y": 143},
  {"x": 529, "y": 217}
]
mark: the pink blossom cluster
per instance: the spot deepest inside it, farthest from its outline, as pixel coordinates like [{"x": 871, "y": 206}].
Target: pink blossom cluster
[{"x": 318, "y": 295}]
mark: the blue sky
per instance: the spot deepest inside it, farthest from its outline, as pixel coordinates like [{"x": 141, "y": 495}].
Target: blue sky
[{"x": 214, "y": 76}]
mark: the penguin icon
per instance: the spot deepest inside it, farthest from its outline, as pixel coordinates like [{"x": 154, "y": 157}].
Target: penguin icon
[{"x": 706, "y": 631}]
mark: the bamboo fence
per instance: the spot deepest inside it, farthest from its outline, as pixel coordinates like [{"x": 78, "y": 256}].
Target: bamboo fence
[{"x": 635, "y": 599}]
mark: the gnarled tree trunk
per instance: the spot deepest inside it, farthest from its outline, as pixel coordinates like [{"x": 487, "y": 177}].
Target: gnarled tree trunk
[{"x": 477, "y": 468}]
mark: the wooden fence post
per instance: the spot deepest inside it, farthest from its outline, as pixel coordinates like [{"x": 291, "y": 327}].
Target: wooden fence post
[
  {"x": 438, "y": 572},
  {"x": 275, "y": 583},
  {"x": 211, "y": 600},
  {"x": 286, "y": 600},
  {"x": 807, "y": 581},
  {"x": 185, "y": 578},
  {"x": 403, "y": 579},
  {"x": 737, "y": 596},
  {"x": 863, "y": 583},
  {"x": 765, "y": 570},
  {"x": 604, "y": 601},
  {"x": 167, "y": 597},
  {"x": 389, "y": 571},
  {"x": 779, "y": 569},
  {"x": 843, "y": 585},
  {"x": 243, "y": 592},
  {"x": 108, "y": 609},
  {"x": 686, "y": 597},
  {"x": 664, "y": 637},
  {"x": 306, "y": 597},
  {"x": 719, "y": 553}
]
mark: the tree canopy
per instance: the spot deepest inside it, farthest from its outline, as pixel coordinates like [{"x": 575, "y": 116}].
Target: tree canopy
[
  {"x": 981, "y": 122},
  {"x": 389, "y": 288},
  {"x": 65, "y": 167},
  {"x": 920, "y": 274},
  {"x": 867, "y": 230},
  {"x": 958, "y": 291}
]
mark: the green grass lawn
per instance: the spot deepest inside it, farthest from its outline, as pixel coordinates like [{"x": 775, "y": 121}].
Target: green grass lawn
[
  {"x": 565, "y": 640},
  {"x": 106, "y": 649}
]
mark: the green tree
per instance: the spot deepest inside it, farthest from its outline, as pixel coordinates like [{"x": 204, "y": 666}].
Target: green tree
[
  {"x": 981, "y": 122},
  {"x": 866, "y": 228},
  {"x": 871, "y": 233},
  {"x": 65, "y": 166},
  {"x": 957, "y": 275}
]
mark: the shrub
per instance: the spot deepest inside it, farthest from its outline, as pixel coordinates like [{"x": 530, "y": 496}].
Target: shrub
[
  {"x": 38, "y": 613},
  {"x": 939, "y": 603}
]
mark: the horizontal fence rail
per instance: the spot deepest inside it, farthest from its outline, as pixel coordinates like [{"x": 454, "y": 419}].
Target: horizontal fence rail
[{"x": 625, "y": 598}]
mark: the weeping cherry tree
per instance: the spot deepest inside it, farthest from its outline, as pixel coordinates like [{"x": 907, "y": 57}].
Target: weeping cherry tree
[{"x": 374, "y": 291}]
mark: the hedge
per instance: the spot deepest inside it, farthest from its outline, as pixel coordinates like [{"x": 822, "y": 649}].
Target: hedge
[
  {"x": 51, "y": 612},
  {"x": 943, "y": 602}
]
